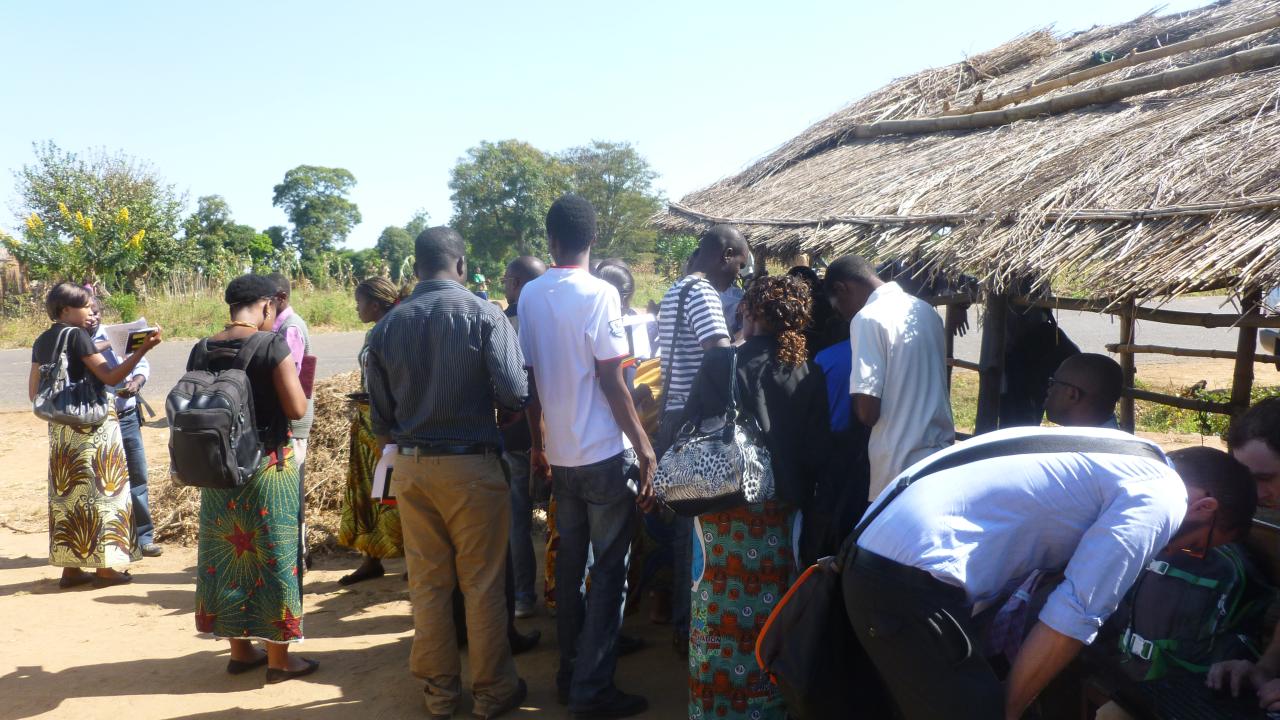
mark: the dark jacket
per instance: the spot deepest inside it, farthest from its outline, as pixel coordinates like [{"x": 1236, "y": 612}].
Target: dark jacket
[{"x": 789, "y": 403}]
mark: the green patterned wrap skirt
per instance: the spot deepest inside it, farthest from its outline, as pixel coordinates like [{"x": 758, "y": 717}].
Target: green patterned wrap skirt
[
  {"x": 249, "y": 563},
  {"x": 370, "y": 526}
]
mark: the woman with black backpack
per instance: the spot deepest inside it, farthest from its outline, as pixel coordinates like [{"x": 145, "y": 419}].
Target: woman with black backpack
[
  {"x": 90, "y": 506},
  {"x": 249, "y": 567}
]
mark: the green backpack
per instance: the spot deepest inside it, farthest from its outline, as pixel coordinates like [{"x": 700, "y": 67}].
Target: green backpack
[{"x": 1185, "y": 613}]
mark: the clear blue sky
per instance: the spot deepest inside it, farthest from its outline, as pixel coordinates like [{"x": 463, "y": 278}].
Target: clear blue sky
[{"x": 224, "y": 97}]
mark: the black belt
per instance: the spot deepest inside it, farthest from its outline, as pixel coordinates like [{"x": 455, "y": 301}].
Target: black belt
[
  {"x": 913, "y": 578},
  {"x": 437, "y": 450}
]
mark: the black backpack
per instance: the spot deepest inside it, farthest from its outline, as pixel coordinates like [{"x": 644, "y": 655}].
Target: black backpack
[{"x": 213, "y": 432}]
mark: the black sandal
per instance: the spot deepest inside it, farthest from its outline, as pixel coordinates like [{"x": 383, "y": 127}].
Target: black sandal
[
  {"x": 70, "y": 581},
  {"x": 123, "y": 578},
  {"x": 239, "y": 667},
  {"x": 275, "y": 675},
  {"x": 362, "y": 573}
]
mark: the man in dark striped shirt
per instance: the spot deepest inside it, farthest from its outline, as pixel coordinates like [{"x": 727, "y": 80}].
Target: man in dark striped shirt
[
  {"x": 438, "y": 365},
  {"x": 690, "y": 322}
]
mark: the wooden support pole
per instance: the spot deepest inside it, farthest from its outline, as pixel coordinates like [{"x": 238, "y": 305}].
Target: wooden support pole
[
  {"x": 1246, "y": 349},
  {"x": 1179, "y": 402},
  {"x": 991, "y": 363},
  {"x": 1128, "y": 368},
  {"x": 953, "y": 314},
  {"x": 1188, "y": 352}
]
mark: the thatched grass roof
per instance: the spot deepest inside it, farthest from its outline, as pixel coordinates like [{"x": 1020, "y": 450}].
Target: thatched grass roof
[{"x": 1155, "y": 176}]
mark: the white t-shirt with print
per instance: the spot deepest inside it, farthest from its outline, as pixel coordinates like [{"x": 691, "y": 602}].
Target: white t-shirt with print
[
  {"x": 900, "y": 356},
  {"x": 568, "y": 321}
]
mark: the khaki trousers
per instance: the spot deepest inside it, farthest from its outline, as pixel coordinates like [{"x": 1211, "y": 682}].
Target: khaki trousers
[{"x": 456, "y": 515}]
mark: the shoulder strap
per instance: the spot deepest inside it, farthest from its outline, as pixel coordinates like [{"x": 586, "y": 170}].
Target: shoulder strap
[
  {"x": 252, "y": 345},
  {"x": 64, "y": 336},
  {"x": 1023, "y": 445},
  {"x": 199, "y": 359},
  {"x": 675, "y": 333}
]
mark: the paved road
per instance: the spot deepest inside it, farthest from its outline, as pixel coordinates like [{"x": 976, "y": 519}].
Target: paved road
[
  {"x": 1092, "y": 332},
  {"x": 337, "y": 351}
]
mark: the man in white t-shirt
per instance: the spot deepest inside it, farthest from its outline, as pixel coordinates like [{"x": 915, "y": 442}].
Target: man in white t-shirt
[
  {"x": 899, "y": 376},
  {"x": 594, "y": 449}
]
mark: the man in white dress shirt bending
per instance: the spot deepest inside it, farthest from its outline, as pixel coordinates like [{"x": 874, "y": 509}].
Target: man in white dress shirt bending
[{"x": 958, "y": 530}]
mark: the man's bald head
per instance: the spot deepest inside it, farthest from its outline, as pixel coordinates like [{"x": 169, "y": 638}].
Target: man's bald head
[
  {"x": 519, "y": 272},
  {"x": 526, "y": 268},
  {"x": 1084, "y": 390},
  {"x": 722, "y": 252}
]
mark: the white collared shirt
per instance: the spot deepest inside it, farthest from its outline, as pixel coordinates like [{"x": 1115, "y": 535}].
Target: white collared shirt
[
  {"x": 985, "y": 526},
  {"x": 900, "y": 356}
]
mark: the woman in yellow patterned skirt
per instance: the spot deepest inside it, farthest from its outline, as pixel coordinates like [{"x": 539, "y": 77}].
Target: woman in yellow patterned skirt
[
  {"x": 370, "y": 526},
  {"x": 90, "y": 506}
]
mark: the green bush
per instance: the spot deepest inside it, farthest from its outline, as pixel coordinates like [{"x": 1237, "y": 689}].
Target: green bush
[{"x": 123, "y": 305}]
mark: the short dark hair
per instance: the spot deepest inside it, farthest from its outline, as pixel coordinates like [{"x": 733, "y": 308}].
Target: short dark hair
[
  {"x": 65, "y": 295},
  {"x": 849, "y": 268},
  {"x": 1225, "y": 479},
  {"x": 615, "y": 272},
  {"x": 248, "y": 289},
  {"x": 571, "y": 221},
  {"x": 282, "y": 283},
  {"x": 436, "y": 248},
  {"x": 1107, "y": 378},
  {"x": 1260, "y": 422},
  {"x": 719, "y": 237}
]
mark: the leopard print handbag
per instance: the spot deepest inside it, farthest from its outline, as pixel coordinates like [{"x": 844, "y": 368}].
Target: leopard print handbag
[{"x": 715, "y": 465}]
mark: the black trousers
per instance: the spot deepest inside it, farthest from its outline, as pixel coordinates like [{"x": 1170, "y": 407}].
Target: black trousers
[{"x": 917, "y": 632}]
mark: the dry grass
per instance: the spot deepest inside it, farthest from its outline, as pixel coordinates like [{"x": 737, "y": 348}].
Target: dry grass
[
  {"x": 326, "y": 476},
  {"x": 1019, "y": 184}
]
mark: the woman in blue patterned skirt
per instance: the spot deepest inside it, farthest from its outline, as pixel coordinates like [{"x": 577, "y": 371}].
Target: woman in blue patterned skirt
[{"x": 745, "y": 557}]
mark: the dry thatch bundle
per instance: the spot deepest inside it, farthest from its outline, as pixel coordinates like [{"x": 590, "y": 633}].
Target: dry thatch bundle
[
  {"x": 178, "y": 507},
  {"x": 1137, "y": 159}
]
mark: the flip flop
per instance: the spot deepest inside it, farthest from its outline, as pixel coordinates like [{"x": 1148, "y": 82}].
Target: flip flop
[
  {"x": 238, "y": 667},
  {"x": 275, "y": 675},
  {"x": 123, "y": 578},
  {"x": 65, "y": 582}
]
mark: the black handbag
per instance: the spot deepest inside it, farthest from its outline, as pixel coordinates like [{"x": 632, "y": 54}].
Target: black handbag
[
  {"x": 716, "y": 463},
  {"x": 62, "y": 401}
]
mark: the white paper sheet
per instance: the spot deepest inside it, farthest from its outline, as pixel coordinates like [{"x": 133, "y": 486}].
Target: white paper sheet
[
  {"x": 118, "y": 335},
  {"x": 381, "y": 485}
]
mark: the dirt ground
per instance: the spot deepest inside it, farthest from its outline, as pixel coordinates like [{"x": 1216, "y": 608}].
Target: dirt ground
[{"x": 132, "y": 651}]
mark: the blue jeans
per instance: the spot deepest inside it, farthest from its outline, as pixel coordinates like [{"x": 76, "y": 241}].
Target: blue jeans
[
  {"x": 595, "y": 509},
  {"x": 523, "y": 564},
  {"x": 136, "y": 457}
]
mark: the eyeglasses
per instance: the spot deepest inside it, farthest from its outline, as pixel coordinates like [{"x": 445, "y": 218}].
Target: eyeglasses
[{"x": 1055, "y": 381}]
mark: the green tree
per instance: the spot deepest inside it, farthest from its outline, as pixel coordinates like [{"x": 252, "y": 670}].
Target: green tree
[
  {"x": 501, "y": 193},
  {"x": 315, "y": 199},
  {"x": 419, "y": 222},
  {"x": 394, "y": 245},
  {"x": 103, "y": 217},
  {"x": 279, "y": 236},
  {"x": 223, "y": 247},
  {"x": 619, "y": 183}
]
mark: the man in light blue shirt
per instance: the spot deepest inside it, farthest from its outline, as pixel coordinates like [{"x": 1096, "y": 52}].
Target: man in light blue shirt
[
  {"x": 131, "y": 433},
  {"x": 1098, "y": 504}
]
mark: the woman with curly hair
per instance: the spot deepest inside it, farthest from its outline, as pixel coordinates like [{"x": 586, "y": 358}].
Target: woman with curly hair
[
  {"x": 745, "y": 557},
  {"x": 370, "y": 526}
]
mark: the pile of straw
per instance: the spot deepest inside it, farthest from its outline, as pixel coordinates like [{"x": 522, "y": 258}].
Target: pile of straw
[{"x": 177, "y": 508}]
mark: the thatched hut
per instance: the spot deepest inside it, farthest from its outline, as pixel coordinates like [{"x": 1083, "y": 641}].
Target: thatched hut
[{"x": 1140, "y": 160}]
